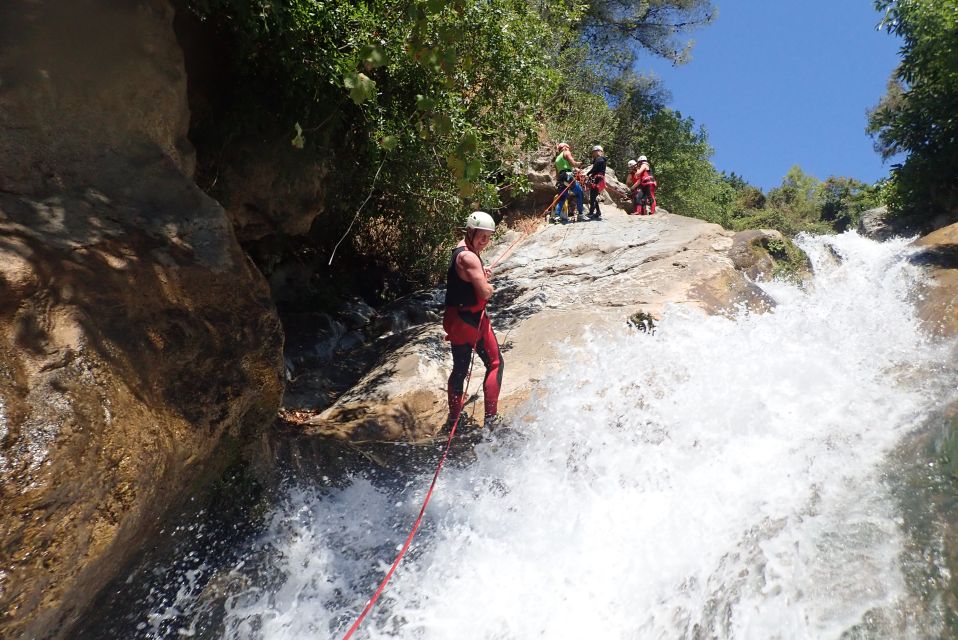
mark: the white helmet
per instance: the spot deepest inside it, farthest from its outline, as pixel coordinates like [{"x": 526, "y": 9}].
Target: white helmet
[
  {"x": 643, "y": 159},
  {"x": 632, "y": 163},
  {"x": 480, "y": 220},
  {"x": 562, "y": 145},
  {"x": 598, "y": 148}
]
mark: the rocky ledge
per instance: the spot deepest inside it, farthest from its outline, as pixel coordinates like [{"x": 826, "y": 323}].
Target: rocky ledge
[
  {"x": 938, "y": 300},
  {"x": 552, "y": 283}
]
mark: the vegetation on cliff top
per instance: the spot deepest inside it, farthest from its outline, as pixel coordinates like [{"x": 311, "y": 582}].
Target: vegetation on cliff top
[
  {"x": 919, "y": 114},
  {"x": 428, "y": 108}
]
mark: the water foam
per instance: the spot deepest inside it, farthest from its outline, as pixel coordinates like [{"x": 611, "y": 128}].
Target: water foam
[{"x": 722, "y": 478}]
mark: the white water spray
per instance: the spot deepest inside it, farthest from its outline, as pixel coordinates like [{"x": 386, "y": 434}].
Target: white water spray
[{"x": 722, "y": 478}]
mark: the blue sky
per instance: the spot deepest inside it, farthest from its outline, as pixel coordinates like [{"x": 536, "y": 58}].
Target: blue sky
[{"x": 780, "y": 82}]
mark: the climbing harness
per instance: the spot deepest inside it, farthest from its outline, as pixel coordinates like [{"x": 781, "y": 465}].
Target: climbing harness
[{"x": 545, "y": 211}]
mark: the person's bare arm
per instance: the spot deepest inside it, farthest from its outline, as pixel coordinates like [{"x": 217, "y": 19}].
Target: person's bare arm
[
  {"x": 471, "y": 270},
  {"x": 568, "y": 156}
]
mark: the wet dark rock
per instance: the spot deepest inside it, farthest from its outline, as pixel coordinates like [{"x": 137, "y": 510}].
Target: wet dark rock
[
  {"x": 139, "y": 348},
  {"x": 874, "y": 224},
  {"x": 356, "y": 314}
]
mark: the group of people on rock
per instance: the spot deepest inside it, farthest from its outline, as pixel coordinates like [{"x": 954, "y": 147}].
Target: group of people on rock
[
  {"x": 468, "y": 286},
  {"x": 570, "y": 180}
]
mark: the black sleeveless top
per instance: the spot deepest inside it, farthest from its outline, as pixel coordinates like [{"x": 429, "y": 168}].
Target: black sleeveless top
[{"x": 459, "y": 293}]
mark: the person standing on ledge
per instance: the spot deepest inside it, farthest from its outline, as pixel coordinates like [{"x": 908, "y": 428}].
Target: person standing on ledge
[
  {"x": 566, "y": 169},
  {"x": 466, "y": 322},
  {"x": 647, "y": 185},
  {"x": 634, "y": 186},
  {"x": 596, "y": 181}
]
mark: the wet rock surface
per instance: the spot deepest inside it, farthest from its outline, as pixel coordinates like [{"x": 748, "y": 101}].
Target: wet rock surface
[
  {"x": 138, "y": 346},
  {"x": 553, "y": 286}
]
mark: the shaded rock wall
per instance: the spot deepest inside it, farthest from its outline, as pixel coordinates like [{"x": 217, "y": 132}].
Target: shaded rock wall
[
  {"x": 135, "y": 336},
  {"x": 272, "y": 192}
]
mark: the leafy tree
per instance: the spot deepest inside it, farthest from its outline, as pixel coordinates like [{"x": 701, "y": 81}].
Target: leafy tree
[
  {"x": 918, "y": 114},
  {"x": 803, "y": 203},
  {"x": 679, "y": 154},
  {"x": 844, "y": 200},
  {"x": 799, "y": 196},
  {"x": 749, "y": 198},
  {"x": 426, "y": 103},
  {"x": 425, "y": 106},
  {"x": 615, "y": 29},
  {"x": 735, "y": 181}
]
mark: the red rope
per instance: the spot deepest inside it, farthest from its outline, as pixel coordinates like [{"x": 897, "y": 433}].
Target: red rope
[
  {"x": 422, "y": 510},
  {"x": 556, "y": 199},
  {"x": 508, "y": 249}
]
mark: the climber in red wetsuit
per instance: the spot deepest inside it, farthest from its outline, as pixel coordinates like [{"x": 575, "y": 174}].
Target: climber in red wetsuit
[
  {"x": 646, "y": 184},
  {"x": 466, "y": 322}
]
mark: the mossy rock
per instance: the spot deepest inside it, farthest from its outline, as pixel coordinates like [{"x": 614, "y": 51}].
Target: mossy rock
[{"x": 765, "y": 254}]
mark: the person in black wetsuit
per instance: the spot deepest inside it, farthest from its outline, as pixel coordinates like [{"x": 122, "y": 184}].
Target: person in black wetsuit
[
  {"x": 466, "y": 322},
  {"x": 596, "y": 181}
]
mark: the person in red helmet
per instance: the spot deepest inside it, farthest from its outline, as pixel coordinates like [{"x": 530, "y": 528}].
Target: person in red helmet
[
  {"x": 466, "y": 322},
  {"x": 647, "y": 186}
]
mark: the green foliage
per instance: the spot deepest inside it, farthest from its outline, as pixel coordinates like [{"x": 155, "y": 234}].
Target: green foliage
[
  {"x": 679, "y": 154},
  {"x": 634, "y": 121},
  {"x": 425, "y": 103},
  {"x": 803, "y": 203},
  {"x": 616, "y": 29},
  {"x": 425, "y": 107},
  {"x": 791, "y": 263},
  {"x": 748, "y": 198},
  {"x": 799, "y": 195},
  {"x": 918, "y": 114},
  {"x": 844, "y": 199}
]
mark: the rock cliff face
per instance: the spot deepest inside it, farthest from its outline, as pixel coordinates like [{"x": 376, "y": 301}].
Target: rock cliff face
[
  {"x": 938, "y": 304},
  {"x": 555, "y": 283},
  {"x": 135, "y": 337}
]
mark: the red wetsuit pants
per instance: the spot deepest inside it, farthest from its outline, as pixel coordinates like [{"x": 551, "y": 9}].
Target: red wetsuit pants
[
  {"x": 465, "y": 329},
  {"x": 645, "y": 195}
]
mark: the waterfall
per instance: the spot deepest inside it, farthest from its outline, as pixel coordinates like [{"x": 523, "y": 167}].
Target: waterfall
[{"x": 721, "y": 477}]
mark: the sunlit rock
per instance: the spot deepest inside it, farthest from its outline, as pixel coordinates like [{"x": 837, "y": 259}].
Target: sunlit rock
[
  {"x": 938, "y": 302},
  {"x": 557, "y": 287}
]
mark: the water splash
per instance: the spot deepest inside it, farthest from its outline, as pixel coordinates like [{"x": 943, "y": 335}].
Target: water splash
[{"x": 722, "y": 478}]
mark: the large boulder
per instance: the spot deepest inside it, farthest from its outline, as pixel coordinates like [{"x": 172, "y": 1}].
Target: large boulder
[
  {"x": 551, "y": 286},
  {"x": 763, "y": 254},
  {"x": 136, "y": 339},
  {"x": 874, "y": 224},
  {"x": 938, "y": 302}
]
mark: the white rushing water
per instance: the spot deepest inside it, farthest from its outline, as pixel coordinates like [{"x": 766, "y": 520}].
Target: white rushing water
[{"x": 722, "y": 478}]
